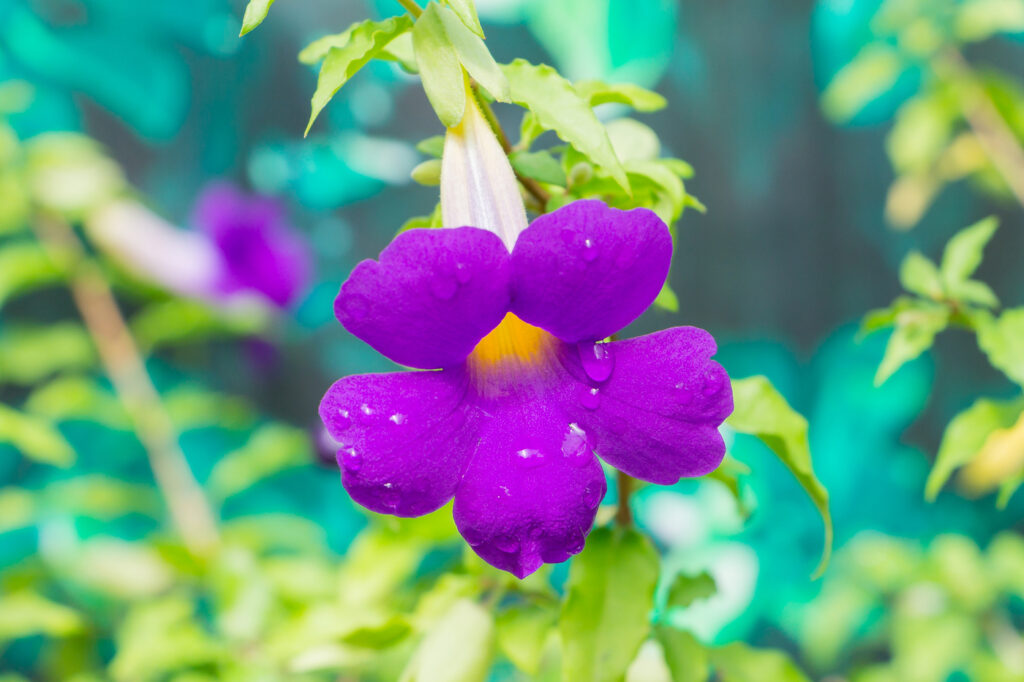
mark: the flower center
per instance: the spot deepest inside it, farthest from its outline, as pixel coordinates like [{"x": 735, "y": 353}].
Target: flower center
[{"x": 511, "y": 342}]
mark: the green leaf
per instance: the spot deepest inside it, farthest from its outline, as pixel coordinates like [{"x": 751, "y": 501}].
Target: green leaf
[
  {"x": 27, "y": 613},
  {"x": 667, "y": 299},
  {"x": 380, "y": 636},
  {"x": 77, "y": 397},
  {"x": 439, "y": 66},
  {"x": 641, "y": 99},
  {"x": 634, "y": 141},
  {"x": 608, "y": 599},
  {"x": 474, "y": 55},
  {"x": 365, "y": 41},
  {"x": 316, "y": 51},
  {"x": 540, "y": 166},
  {"x": 101, "y": 497},
  {"x": 522, "y": 632},
  {"x": 428, "y": 173},
  {"x": 977, "y": 20},
  {"x": 458, "y": 648},
  {"x": 964, "y": 252},
  {"x": 872, "y": 72},
  {"x": 17, "y": 508},
  {"x": 687, "y": 589},
  {"x": 1002, "y": 340},
  {"x": 179, "y": 320},
  {"x": 974, "y": 292},
  {"x": 30, "y": 354},
  {"x": 916, "y": 328},
  {"x": 68, "y": 173},
  {"x": 557, "y": 106},
  {"x": 740, "y": 662},
  {"x": 761, "y": 411},
  {"x": 919, "y": 275},
  {"x": 255, "y": 13},
  {"x": 466, "y": 11},
  {"x": 271, "y": 449},
  {"x": 431, "y": 146},
  {"x": 25, "y": 266},
  {"x": 34, "y": 437},
  {"x": 400, "y": 50},
  {"x": 687, "y": 658},
  {"x": 966, "y": 434}
]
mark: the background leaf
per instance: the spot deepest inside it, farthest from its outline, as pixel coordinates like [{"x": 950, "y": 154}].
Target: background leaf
[{"x": 439, "y": 66}]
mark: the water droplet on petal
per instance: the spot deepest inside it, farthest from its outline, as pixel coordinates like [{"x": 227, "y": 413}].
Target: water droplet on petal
[
  {"x": 355, "y": 305},
  {"x": 597, "y": 360},
  {"x": 530, "y": 457},
  {"x": 350, "y": 459},
  {"x": 443, "y": 286},
  {"x": 568, "y": 235},
  {"x": 576, "y": 545},
  {"x": 589, "y": 250},
  {"x": 592, "y": 497},
  {"x": 390, "y": 497},
  {"x": 506, "y": 543},
  {"x": 575, "y": 446},
  {"x": 397, "y": 419},
  {"x": 474, "y": 537},
  {"x": 590, "y": 398},
  {"x": 365, "y": 415},
  {"x": 462, "y": 273},
  {"x": 342, "y": 420},
  {"x": 714, "y": 381}
]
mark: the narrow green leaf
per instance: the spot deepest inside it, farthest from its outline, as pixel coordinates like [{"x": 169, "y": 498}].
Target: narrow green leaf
[
  {"x": 686, "y": 589},
  {"x": 255, "y": 13},
  {"x": 17, "y": 508},
  {"x": 458, "y": 648},
  {"x": 439, "y": 66},
  {"x": 428, "y": 173},
  {"x": 919, "y": 275},
  {"x": 179, "y": 320},
  {"x": 915, "y": 333},
  {"x": 608, "y": 598},
  {"x": 872, "y": 72},
  {"x": 34, "y": 437},
  {"x": 687, "y": 658},
  {"x": 634, "y": 141},
  {"x": 400, "y": 50},
  {"x": 466, "y": 11},
  {"x": 1002, "y": 340},
  {"x": 271, "y": 449},
  {"x": 27, "y": 613},
  {"x": 964, "y": 252},
  {"x": 365, "y": 41},
  {"x": 975, "y": 292},
  {"x": 540, "y": 166},
  {"x": 475, "y": 56},
  {"x": 557, "y": 106},
  {"x": 641, "y": 99},
  {"x": 431, "y": 146},
  {"x": 316, "y": 51},
  {"x": 522, "y": 632},
  {"x": 77, "y": 397},
  {"x": 25, "y": 266},
  {"x": 760, "y": 410},
  {"x": 740, "y": 662},
  {"x": 30, "y": 354},
  {"x": 380, "y": 636},
  {"x": 979, "y": 19},
  {"x": 667, "y": 299}
]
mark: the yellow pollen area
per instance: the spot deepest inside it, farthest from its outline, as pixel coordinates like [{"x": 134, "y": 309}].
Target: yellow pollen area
[{"x": 513, "y": 340}]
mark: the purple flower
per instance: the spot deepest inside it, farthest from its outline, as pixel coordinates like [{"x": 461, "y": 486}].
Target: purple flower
[
  {"x": 525, "y": 393},
  {"x": 243, "y": 249}
]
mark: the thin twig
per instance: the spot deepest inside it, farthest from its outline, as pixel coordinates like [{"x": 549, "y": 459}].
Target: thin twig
[
  {"x": 411, "y": 7},
  {"x": 188, "y": 506},
  {"x": 624, "y": 515}
]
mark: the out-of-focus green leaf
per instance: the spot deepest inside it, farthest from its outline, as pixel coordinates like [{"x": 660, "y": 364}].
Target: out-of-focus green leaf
[
  {"x": 28, "y": 613},
  {"x": 979, "y": 19},
  {"x": 686, "y": 589},
  {"x": 30, "y": 354},
  {"x": 964, "y": 252},
  {"x": 916, "y": 328},
  {"x": 667, "y": 299},
  {"x": 761, "y": 411},
  {"x": 17, "y": 508},
  {"x": 68, "y": 173},
  {"x": 559, "y": 107},
  {"x": 428, "y": 173},
  {"x": 101, "y": 497},
  {"x": 921, "y": 133},
  {"x": 34, "y": 437},
  {"x": 956, "y": 563},
  {"x": 608, "y": 598},
  {"x": 401, "y": 50},
  {"x": 365, "y": 41},
  {"x": 380, "y": 636},
  {"x": 740, "y": 662},
  {"x": 123, "y": 570},
  {"x": 466, "y": 11},
  {"x": 272, "y": 448},
  {"x": 687, "y": 658},
  {"x": 634, "y": 141},
  {"x": 25, "y": 266},
  {"x": 316, "y": 51},
  {"x": 439, "y": 66},
  {"x": 177, "y": 320},
  {"x": 522, "y": 632},
  {"x": 193, "y": 407},
  {"x": 159, "y": 637},
  {"x": 871, "y": 73},
  {"x": 540, "y": 166},
  {"x": 1002, "y": 340},
  {"x": 641, "y": 99},
  {"x": 77, "y": 397},
  {"x": 474, "y": 55},
  {"x": 458, "y": 648},
  {"x": 919, "y": 275},
  {"x": 431, "y": 146},
  {"x": 255, "y": 13}
]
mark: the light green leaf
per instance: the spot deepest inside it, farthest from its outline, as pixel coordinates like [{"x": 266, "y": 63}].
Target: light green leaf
[
  {"x": 25, "y": 266},
  {"x": 915, "y": 332},
  {"x": 686, "y": 589},
  {"x": 557, "y": 106},
  {"x": 1002, "y": 340},
  {"x": 439, "y": 66},
  {"x": 30, "y": 354},
  {"x": 686, "y": 657},
  {"x": 400, "y": 50},
  {"x": 964, "y": 252},
  {"x": 194, "y": 407},
  {"x": 458, "y": 648},
  {"x": 634, "y": 141},
  {"x": 69, "y": 173},
  {"x": 380, "y": 636},
  {"x": 428, "y": 173},
  {"x": 26, "y": 613},
  {"x": 919, "y": 275},
  {"x": 641, "y": 99},
  {"x": 255, "y": 13},
  {"x": 101, "y": 497},
  {"x": 740, "y": 662},
  {"x": 271, "y": 449},
  {"x": 522, "y": 632},
  {"x": 316, "y": 51},
  {"x": 761, "y": 411},
  {"x": 966, "y": 434},
  {"x": 34, "y": 437},
  {"x": 365, "y": 41},
  {"x": 975, "y": 292},
  {"x": 466, "y": 11},
  {"x": 179, "y": 320},
  {"x": 431, "y": 146},
  {"x": 17, "y": 508},
  {"x": 667, "y": 299},
  {"x": 474, "y": 55},
  {"x": 77, "y": 397},
  {"x": 979, "y": 19},
  {"x": 872, "y": 72},
  {"x": 608, "y": 598},
  {"x": 540, "y": 166}
]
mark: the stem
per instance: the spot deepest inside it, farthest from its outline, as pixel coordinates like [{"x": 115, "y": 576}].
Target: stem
[
  {"x": 411, "y": 7},
  {"x": 623, "y": 515},
  {"x": 995, "y": 136},
  {"x": 529, "y": 184},
  {"x": 189, "y": 509}
]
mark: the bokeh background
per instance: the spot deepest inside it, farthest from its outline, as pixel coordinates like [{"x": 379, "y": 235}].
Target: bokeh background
[{"x": 795, "y": 247}]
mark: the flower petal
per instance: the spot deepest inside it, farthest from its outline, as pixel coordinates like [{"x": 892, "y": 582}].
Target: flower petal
[
  {"x": 431, "y": 297},
  {"x": 530, "y": 494},
  {"x": 405, "y": 438},
  {"x": 586, "y": 270},
  {"x": 657, "y": 413}
]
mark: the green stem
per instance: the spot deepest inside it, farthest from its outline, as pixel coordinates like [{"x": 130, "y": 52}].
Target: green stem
[
  {"x": 411, "y": 7},
  {"x": 623, "y": 515}
]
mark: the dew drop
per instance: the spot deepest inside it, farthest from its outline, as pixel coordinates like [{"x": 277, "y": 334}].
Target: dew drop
[
  {"x": 592, "y": 497},
  {"x": 342, "y": 420},
  {"x": 576, "y": 546},
  {"x": 597, "y": 360},
  {"x": 389, "y": 497},
  {"x": 474, "y": 537},
  {"x": 575, "y": 446},
  {"x": 397, "y": 419},
  {"x": 462, "y": 273},
  {"x": 590, "y": 398},
  {"x": 589, "y": 250},
  {"x": 366, "y": 413},
  {"x": 530, "y": 458},
  {"x": 443, "y": 286},
  {"x": 506, "y": 543},
  {"x": 356, "y": 306},
  {"x": 350, "y": 459}
]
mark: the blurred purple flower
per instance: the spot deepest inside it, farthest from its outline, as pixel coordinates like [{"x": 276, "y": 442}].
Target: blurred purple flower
[{"x": 244, "y": 248}]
